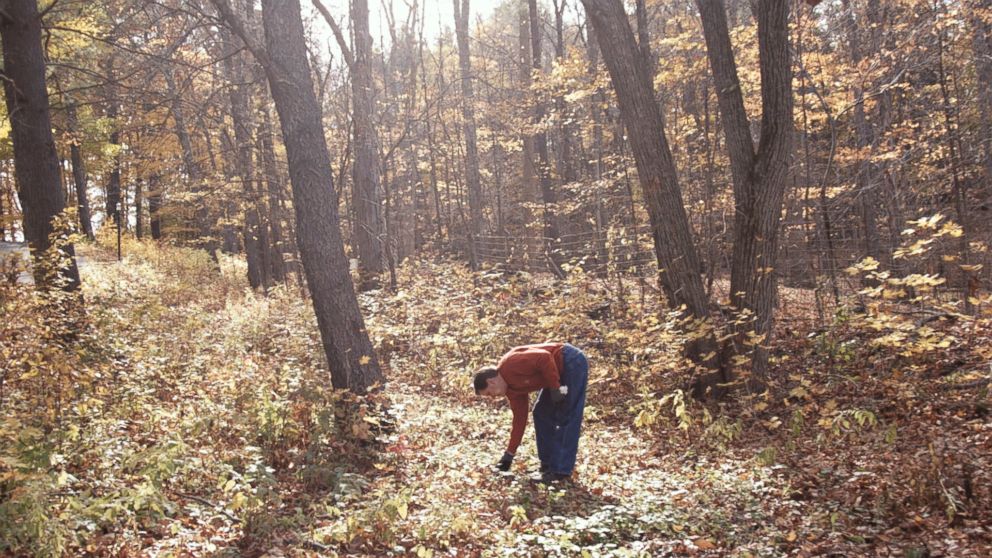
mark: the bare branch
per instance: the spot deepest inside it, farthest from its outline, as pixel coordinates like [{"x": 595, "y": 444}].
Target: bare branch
[
  {"x": 349, "y": 58},
  {"x": 238, "y": 27}
]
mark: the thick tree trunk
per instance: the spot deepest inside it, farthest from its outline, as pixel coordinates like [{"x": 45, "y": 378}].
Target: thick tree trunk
[
  {"x": 36, "y": 163},
  {"x": 981, "y": 19},
  {"x": 367, "y": 186},
  {"x": 759, "y": 175},
  {"x": 472, "y": 176},
  {"x": 351, "y": 359},
  {"x": 674, "y": 249},
  {"x": 79, "y": 173}
]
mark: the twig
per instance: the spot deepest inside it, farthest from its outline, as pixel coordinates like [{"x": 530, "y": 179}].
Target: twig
[
  {"x": 968, "y": 385},
  {"x": 210, "y": 504}
]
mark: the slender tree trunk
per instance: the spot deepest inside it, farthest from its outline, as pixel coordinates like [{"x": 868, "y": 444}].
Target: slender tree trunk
[
  {"x": 969, "y": 284},
  {"x": 155, "y": 205},
  {"x": 981, "y": 22},
  {"x": 367, "y": 184},
  {"x": 113, "y": 197},
  {"x": 864, "y": 170},
  {"x": 548, "y": 194},
  {"x": 350, "y": 357},
  {"x": 255, "y": 242},
  {"x": 472, "y": 176},
  {"x": 274, "y": 189},
  {"x": 79, "y": 172},
  {"x": 139, "y": 200},
  {"x": 194, "y": 173},
  {"x": 36, "y": 164}
]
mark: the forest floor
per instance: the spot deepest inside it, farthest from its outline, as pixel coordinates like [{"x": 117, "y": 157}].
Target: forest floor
[{"x": 194, "y": 418}]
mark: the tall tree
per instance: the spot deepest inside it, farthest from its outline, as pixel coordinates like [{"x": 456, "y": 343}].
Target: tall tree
[
  {"x": 79, "y": 170},
  {"x": 674, "y": 249},
  {"x": 367, "y": 193},
  {"x": 240, "y": 97},
  {"x": 36, "y": 163},
  {"x": 350, "y": 357},
  {"x": 472, "y": 176},
  {"x": 548, "y": 194},
  {"x": 759, "y": 173},
  {"x": 981, "y": 20}
]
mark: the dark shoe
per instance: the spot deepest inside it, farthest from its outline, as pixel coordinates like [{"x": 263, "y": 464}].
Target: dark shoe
[
  {"x": 552, "y": 478},
  {"x": 544, "y": 468}
]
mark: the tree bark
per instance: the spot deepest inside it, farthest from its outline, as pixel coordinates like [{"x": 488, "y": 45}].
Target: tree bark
[
  {"x": 154, "y": 195},
  {"x": 981, "y": 19},
  {"x": 79, "y": 172},
  {"x": 36, "y": 163},
  {"x": 864, "y": 170},
  {"x": 758, "y": 174},
  {"x": 472, "y": 176},
  {"x": 255, "y": 238},
  {"x": 194, "y": 173},
  {"x": 274, "y": 188},
  {"x": 548, "y": 195},
  {"x": 367, "y": 186},
  {"x": 350, "y": 357},
  {"x": 674, "y": 249},
  {"x": 113, "y": 198}
]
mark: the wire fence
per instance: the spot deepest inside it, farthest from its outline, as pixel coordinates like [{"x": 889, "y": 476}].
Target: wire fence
[{"x": 813, "y": 274}]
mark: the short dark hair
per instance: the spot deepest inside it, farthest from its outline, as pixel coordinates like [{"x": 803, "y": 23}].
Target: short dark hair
[{"x": 482, "y": 377}]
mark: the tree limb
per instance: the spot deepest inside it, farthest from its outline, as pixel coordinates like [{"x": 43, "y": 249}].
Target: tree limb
[
  {"x": 235, "y": 24},
  {"x": 349, "y": 58}
]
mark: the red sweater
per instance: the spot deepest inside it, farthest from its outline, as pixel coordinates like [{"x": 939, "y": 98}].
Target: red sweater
[{"x": 526, "y": 369}]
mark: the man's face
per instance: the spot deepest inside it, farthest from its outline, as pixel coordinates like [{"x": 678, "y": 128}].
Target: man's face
[{"x": 494, "y": 388}]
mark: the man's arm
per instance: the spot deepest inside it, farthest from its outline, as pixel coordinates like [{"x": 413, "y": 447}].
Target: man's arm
[{"x": 518, "y": 404}]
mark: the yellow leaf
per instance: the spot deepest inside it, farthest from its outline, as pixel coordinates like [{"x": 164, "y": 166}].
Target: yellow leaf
[{"x": 365, "y": 360}]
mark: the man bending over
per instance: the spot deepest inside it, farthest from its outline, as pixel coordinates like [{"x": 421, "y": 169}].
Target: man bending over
[{"x": 560, "y": 371}]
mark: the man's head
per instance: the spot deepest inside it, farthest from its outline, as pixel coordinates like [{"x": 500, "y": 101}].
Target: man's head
[{"x": 488, "y": 382}]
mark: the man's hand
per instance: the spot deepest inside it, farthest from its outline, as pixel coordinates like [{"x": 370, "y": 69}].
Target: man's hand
[
  {"x": 505, "y": 461},
  {"x": 558, "y": 395}
]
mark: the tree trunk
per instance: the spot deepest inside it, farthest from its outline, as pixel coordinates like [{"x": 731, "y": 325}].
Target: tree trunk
[
  {"x": 759, "y": 175},
  {"x": 139, "y": 218},
  {"x": 79, "y": 172},
  {"x": 367, "y": 185},
  {"x": 194, "y": 174},
  {"x": 548, "y": 195},
  {"x": 981, "y": 18},
  {"x": 255, "y": 239},
  {"x": 113, "y": 197},
  {"x": 969, "y": 282},
  {"x": 472, "y": 177},
  {"x": 864, "y": 170},
  {"x": 674, "y": 249},
  {"x": 36, "y": 163},
  {"x": 350, "y": 357},
  {"x": 154, "y": 195},
  {"x": 274, "y": 188}
]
